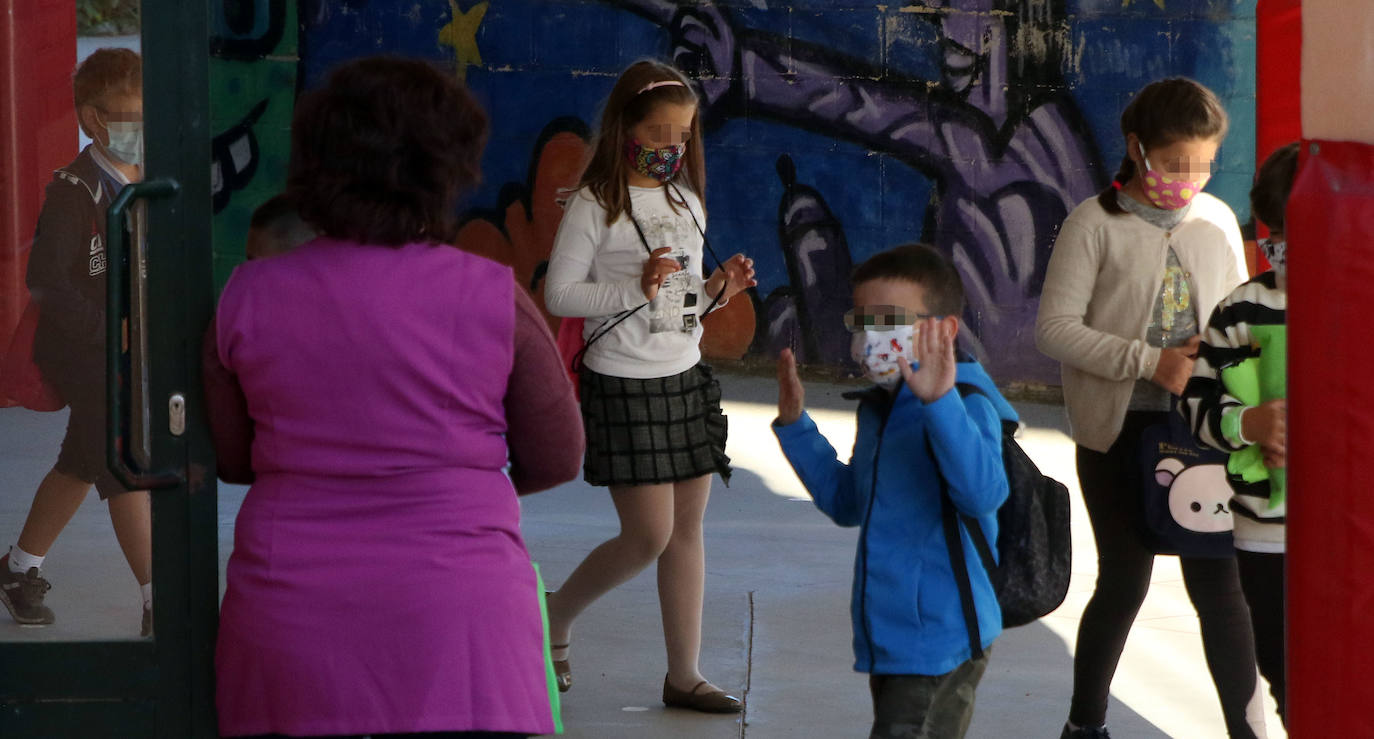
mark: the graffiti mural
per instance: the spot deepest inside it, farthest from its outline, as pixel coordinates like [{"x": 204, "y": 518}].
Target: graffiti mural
[
  {"x": 461, "y": 35},
  {"x": 253, "y": 86},
  {"x": 835, "y": 129},
  {"x": 800, "y": 315},
  {"x": 234, "y": 156},
  {"x": 519, "y": 231},
  {"x": 1007, "y": 164},
  {"x": 248, "y": 30}
]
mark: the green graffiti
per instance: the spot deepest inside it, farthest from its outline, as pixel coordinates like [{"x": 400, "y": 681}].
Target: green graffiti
[{"x": 252, "y": 96}]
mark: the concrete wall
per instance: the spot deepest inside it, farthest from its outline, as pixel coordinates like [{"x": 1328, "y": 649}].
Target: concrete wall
[{"x": 836, "y": 128}]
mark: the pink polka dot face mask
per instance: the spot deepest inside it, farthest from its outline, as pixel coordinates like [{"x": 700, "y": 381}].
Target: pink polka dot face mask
[{"x": 1169, "y": 193}]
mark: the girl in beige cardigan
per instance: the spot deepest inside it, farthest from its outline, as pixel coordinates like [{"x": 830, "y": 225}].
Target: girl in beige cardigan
[{"x": 1132, "y": 273}]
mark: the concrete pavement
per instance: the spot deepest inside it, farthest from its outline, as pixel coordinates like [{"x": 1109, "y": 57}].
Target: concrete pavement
[
  {"x": 777, "y": 605},
  {"x": 776, "y": 628}
]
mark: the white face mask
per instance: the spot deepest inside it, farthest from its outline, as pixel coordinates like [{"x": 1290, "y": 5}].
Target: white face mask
[
  {"x": 877, "y": 352},
  {"x": 126, "y": 141}
]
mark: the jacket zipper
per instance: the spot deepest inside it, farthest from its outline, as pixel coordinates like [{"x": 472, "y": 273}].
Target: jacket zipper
[{"x": 863, "y": 549}]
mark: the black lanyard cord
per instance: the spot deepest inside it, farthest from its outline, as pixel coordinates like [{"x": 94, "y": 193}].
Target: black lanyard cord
[
  {"x": 616, "y": 320},
  {"x": 706, "y": 242}
]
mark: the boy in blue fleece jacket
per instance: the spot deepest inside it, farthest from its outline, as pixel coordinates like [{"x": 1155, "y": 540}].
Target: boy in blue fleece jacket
[{"x": 909, "y": 628}]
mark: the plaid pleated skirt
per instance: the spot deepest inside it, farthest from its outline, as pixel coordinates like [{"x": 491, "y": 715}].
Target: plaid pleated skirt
[{"x": 643, "y": 432}]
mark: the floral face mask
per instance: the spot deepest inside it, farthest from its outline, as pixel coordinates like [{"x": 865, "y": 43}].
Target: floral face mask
[{"x": 661, "y": 164}]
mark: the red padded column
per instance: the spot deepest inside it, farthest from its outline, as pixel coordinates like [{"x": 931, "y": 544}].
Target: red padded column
[
  {"x": 37, "y": 131},
  {"x": 1331, "y": 442},
  {"x": 1278, "y": 88}
]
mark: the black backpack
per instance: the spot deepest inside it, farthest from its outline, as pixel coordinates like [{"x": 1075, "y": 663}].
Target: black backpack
[{"x": 1033, "y": 540}]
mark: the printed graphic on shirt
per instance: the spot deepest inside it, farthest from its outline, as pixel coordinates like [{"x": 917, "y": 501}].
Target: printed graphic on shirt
[
  {"x": 1174, "y": 320},
  {"x": 97, "y": 256},
  {"x": 675, "y": 306}
]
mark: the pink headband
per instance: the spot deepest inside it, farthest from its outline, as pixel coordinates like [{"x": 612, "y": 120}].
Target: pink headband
[{"x": 661, "y": 83}]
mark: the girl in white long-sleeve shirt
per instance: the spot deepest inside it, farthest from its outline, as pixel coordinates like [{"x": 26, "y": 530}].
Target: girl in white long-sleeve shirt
[{"x": 628, "y": 258}]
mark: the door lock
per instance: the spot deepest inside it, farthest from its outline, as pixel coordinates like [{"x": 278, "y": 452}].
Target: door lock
[{"x": 176, "y": 412}]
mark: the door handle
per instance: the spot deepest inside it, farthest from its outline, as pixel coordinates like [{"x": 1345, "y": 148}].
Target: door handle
[{"x": 117, "y": 455}]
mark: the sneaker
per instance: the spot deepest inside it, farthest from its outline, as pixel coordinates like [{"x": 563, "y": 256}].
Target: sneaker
[
  {"x": 23, "y": 595},
  {"x": 147, "y": 629},
  {"x": 1085, "y": 732}
]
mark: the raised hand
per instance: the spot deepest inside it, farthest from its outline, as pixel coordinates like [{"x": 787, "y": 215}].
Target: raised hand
[
  {"x": 656, "y": 269},
  {"x": 791, "y": 394},
  {"x": 736, "y": 275},
  {"x": 937, "y": 368},
  {"x": 1176, "y": 366}
]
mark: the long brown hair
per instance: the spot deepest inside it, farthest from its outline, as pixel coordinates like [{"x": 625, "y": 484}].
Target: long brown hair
[
  {"x": 607, "y": 173},
  {"x": 1164, "y": 112}
]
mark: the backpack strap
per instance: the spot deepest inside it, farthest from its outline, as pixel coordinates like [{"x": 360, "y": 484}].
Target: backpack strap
[
  {"x": 950, "y": 519},
  {"x": 1009, "y": 428},
  {"x": 980, "y": 541},
  {"x": 975, "y": 529},
  {"x": 967, "y": 388}
]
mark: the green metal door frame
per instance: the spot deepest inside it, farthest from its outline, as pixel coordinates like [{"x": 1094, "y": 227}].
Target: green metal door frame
[{"x": 161, "y": 687}]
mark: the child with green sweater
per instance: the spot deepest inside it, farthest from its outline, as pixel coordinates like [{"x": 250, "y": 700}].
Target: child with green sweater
[{"x": 1235, "y": 403}]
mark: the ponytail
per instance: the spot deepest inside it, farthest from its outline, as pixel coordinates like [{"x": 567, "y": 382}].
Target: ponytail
[{"x": 1107, "y": 198}]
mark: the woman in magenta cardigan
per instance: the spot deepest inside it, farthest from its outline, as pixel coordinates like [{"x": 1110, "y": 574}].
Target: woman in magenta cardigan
[{"x": 384, "y": 380}]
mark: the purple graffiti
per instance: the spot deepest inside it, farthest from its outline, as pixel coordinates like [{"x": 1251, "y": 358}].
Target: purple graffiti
[
  {"x": 1007, "y": 148},
  {"x": 804, "y": 314}
]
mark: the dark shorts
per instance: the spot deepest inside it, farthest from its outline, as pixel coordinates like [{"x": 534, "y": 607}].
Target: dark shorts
[
  {"x": 644, "y": 432},
  {"x": 83, "y": 448}
]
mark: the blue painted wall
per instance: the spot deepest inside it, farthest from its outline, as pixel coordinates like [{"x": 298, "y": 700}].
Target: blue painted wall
[{"x": 1070, "y": 66}]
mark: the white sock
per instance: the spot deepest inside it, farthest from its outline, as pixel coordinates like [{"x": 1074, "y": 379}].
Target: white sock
[
  {"x": 21, "y": 561},
  {"x": 147, "y": 591}
]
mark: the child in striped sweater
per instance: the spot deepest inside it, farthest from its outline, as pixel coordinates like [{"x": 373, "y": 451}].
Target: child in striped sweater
[{"x": 1242, "y": 328}]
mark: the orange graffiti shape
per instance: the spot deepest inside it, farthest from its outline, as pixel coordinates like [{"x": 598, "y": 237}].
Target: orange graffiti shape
[{"x": 525, "y": 238}]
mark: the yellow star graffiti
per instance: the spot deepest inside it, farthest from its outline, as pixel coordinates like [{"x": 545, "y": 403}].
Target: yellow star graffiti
[
  {"x": 1158, "y": 3},
  {"x": 461, "y": 34}
]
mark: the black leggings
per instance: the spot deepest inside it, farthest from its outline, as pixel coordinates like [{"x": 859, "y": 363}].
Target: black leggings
[
  {"x": 1261, "y": 577},
  {"x": 1111, "y": 486}
]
